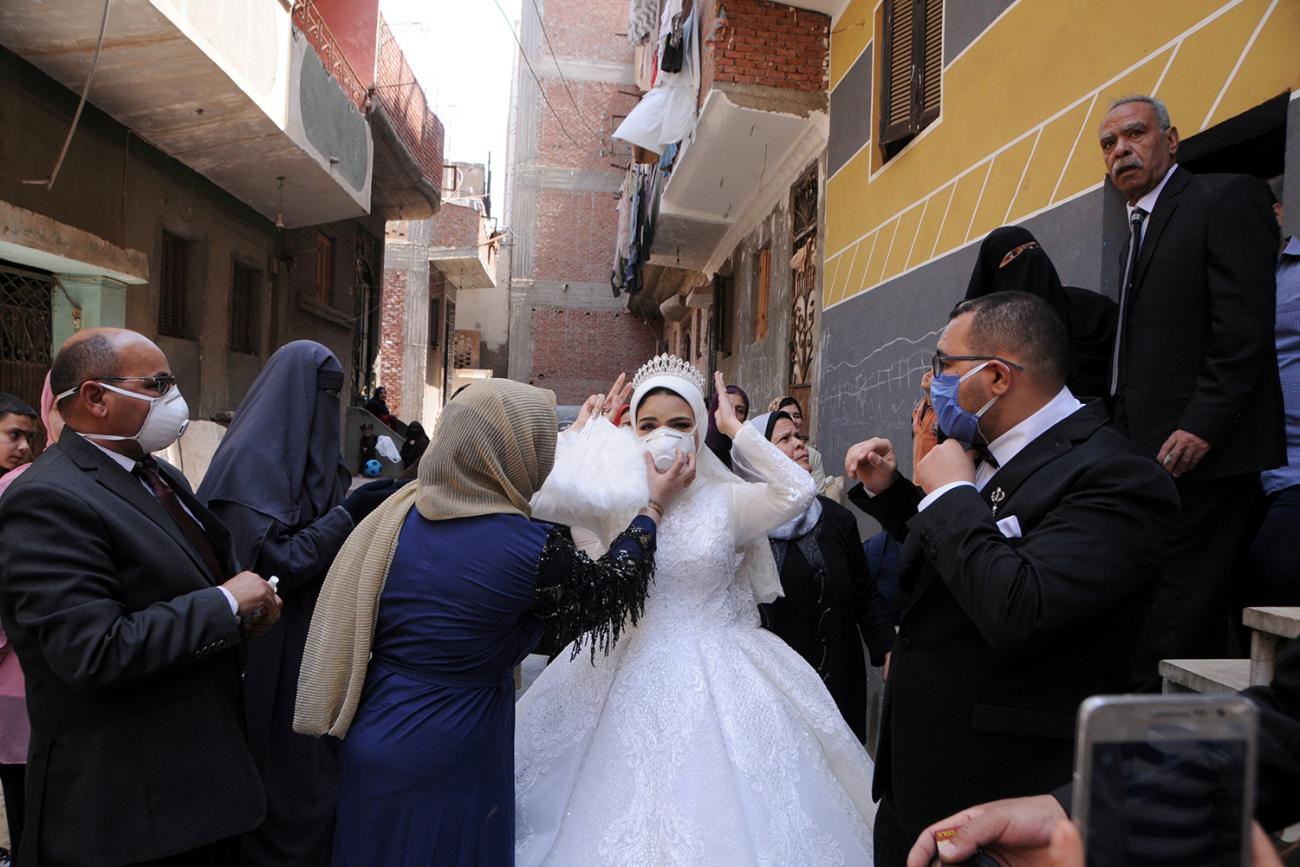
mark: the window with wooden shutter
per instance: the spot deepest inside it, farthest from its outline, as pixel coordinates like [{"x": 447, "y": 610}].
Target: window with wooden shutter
[
  {"x": 763, "y": 274},
  {"x": 173, "y": 275},
  {"x": 911, "y": 69},
  {"x": 322, "y": 288},
  {"x": 243, "y": 307}
]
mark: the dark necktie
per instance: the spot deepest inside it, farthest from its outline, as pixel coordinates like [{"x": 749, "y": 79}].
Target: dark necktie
[
  {"x": 147, "y": 470},
  {"x": 981, "y": 455},
  {"x": 1125, "y": 289}
]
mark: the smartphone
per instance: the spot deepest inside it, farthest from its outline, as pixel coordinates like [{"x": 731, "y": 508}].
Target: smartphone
[{"x": 1166, "y": 780}]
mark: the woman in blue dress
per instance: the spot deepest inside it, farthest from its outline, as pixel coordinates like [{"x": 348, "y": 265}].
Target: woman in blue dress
[{"x": 458, "y": 582}]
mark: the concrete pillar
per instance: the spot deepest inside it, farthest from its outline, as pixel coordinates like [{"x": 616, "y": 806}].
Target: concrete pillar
[{"x": 86, "y": 302}]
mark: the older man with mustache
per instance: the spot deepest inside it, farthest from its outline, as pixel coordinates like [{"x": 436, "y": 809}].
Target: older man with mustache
[{"x": 1194, "y": 372}]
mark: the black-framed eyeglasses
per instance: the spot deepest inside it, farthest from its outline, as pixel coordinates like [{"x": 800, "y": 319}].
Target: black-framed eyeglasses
[
  {"x": 160, "y": 384},
  {"x": 940, "y": 361}
]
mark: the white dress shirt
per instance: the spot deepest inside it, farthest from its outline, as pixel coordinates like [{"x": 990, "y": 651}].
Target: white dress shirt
[
  {"x": 1148, "y": 202},
  {"x": 128, "y": 464},
  {"x": 1010, "y": 444}
]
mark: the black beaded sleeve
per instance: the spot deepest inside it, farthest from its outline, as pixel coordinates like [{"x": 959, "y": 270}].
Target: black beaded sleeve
[{"x": 592, "y": 599}]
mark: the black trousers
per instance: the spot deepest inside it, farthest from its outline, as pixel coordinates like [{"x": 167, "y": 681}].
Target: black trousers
[
  {"x": 223, "y": 853},
  {"x": 1273, "y": 570},
  {"x": 13, "y": 780},
  {"x": 1191, "y": 613},
  {"x": 891, "y": 840}
]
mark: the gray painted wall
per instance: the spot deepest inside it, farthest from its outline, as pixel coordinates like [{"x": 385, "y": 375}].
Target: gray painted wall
[
  {"x": 850, "y": 112},
  {"x": 332, "y": 123},
  {"x": 964, "y": 20}
]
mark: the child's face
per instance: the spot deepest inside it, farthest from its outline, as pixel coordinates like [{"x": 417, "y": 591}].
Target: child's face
[{"x": 16, "y": 434}]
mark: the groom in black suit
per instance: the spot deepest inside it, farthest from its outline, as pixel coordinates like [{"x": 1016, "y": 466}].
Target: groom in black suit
[
  {"x": 1194, "y": 371},
  {"x": 116, "y": 590},
  {"x": 1029, "y": 537}
]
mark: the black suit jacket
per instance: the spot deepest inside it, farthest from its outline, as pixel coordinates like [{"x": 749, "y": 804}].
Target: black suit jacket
[
  {"x": 1001, "y": 638},
  {"x": 1198, "y": 352},
  {"x": 131, "y": 656}
]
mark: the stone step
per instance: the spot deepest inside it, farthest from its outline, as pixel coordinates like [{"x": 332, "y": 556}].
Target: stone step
[
  {"x": 1205, "y": 675},
  {"x": 1271, "y": 630},
  {"x": 1281, "y": 622}
]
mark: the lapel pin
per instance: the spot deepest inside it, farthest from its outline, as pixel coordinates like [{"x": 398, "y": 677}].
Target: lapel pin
[{"x": 996, "y": 499}]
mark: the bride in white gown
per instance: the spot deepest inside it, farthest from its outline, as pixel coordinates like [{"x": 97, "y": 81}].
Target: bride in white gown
[{"x": 700, "y": 739}]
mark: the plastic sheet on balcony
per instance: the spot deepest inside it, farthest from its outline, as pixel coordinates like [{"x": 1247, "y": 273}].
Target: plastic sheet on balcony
[{"x": 667, "y": 112}]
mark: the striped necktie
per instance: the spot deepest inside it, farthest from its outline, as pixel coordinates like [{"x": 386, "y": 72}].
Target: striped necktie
[{"x": 1125, "y": 290}]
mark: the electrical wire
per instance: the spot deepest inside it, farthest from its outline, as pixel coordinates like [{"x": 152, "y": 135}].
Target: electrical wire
[
  {"x": 536, "y": 79},
  {"x": 85, "y": 92},
  {"x": 556, "y": 60}
]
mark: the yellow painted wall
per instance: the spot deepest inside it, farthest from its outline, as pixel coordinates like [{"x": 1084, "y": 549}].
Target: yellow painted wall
[{"x": 1017, "y": 133}]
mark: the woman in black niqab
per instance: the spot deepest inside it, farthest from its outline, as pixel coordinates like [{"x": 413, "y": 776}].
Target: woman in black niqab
[
  {"x": 1089, "y": 317},
  {"x": 277, "y": 481}
]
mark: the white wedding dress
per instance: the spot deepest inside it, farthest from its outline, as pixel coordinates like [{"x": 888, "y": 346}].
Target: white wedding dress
[{"x": 701, "y": 739}]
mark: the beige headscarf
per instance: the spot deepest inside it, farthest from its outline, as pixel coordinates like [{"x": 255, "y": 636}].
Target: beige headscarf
[{"x": 492, "y": 449}]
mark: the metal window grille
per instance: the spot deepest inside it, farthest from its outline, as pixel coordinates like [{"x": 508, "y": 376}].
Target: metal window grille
[
  {"x": 173, "y": 277},
  {"x": 243, "y": 310},
  {"x": 26, "y": 329}
]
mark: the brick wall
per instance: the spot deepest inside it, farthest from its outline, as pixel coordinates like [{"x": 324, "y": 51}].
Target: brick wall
[
  {"x": 578, "y": 353},
  {"x": 575, "y": 235},
  {"x": 588, "y": 144},
  {"x": 587, "y": 29},
  {"x": 400, "y": 95},
  {"x": 392, "y": 315},
  {"x": 758, "y": 42},
  {"x": 455, "y": 226}
]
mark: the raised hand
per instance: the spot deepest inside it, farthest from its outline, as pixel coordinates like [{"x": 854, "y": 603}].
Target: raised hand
[
  {"x": 873, "y": 463},
  {"x": 590, "y": 407},
  {"x": 725, "y": 416},
  {"x": 618, "y": 394}
]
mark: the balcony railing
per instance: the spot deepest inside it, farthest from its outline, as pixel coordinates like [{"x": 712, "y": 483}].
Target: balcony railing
[{"x": 309, "y": 20}]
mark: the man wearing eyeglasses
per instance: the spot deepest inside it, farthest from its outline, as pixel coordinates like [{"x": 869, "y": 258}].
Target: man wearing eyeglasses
[
  {"x": 1029, "y": 534},
  {"x": 122, "y": 598}
]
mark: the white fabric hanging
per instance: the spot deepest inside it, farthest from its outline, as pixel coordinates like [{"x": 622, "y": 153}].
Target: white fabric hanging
[{"x": 666, "y": 114}]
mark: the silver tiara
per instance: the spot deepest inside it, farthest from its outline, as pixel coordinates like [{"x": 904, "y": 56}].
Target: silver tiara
[{"x": 669, "y": 365}]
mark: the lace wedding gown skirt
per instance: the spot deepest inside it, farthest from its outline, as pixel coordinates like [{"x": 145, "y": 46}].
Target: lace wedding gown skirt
[{"x": 701, "y": 739}]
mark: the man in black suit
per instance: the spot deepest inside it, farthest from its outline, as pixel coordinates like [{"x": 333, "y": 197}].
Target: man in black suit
[
  {"x": 1022, "y": 575},
  {"x": 1194, "y": 371},
  {"x": 114, "y": 592}
]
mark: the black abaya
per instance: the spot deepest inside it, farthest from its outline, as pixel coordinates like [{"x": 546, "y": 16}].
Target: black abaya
[
  {"x": 276, "y": 482},
  {"x": 827, "y": 613}
]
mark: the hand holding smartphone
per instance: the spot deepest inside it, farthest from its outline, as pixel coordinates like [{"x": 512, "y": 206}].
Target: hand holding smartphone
[{"x": 1166, "y": 780}]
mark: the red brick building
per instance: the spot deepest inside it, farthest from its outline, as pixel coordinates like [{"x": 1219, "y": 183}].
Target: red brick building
[{"x": 568, "y": 330}]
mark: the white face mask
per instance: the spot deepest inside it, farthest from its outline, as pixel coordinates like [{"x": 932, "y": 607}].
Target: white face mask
[
  {"x": 168, "y": 418},
  {"x": 664, "y": 443}
]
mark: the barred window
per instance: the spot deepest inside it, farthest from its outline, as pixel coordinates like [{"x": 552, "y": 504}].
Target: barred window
[
  {"x": 243, "y": 309},
  {"x": 173, "y": 280},
  {"x": 911, "y": 67}
]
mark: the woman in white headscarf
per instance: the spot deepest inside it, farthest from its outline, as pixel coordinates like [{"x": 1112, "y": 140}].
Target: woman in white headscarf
[{"x": 701, "y": 738}]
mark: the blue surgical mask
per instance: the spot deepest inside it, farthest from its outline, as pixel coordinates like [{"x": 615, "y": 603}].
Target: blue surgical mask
[{"x": 956, "y": 423}]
